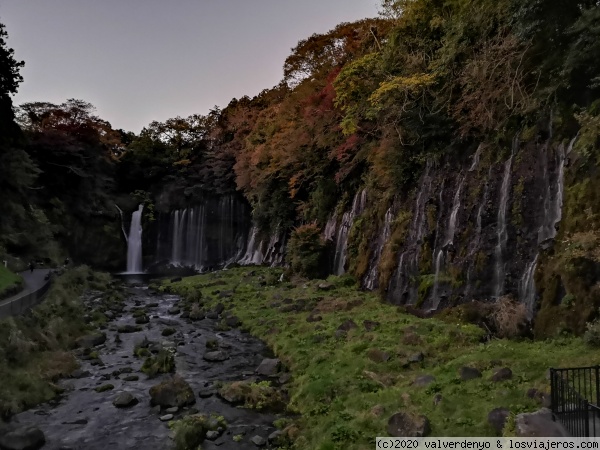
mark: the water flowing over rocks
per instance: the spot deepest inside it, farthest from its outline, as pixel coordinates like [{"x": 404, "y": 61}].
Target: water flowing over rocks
[{"x": 124, "y": 417}]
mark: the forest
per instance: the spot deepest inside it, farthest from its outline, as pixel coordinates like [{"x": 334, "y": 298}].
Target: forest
[{"x": 387, "y": 105}]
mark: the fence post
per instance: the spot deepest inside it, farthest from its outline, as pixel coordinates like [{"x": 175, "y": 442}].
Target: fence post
[
  {"x": 597, "y": 386},
  {"x": 553, "y": 390}
]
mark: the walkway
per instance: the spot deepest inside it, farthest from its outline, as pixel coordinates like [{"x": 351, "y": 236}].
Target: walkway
[{"x": 32, "y": 282}]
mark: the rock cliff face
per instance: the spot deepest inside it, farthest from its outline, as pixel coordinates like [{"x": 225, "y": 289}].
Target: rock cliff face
[
  {"x": 476, "y": 230},
  {"x": 480, "y": 229}
]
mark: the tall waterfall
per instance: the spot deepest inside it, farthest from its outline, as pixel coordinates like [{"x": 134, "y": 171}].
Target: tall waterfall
[
  {"x": 371, "y": 278},
  {"x": 502, "y": 232},
  {"x": 134, "y": 242},
  {"x": 408, "y": 263},
  {"x": 341, "y": 244},
  {"x": 553, "y": 202}
]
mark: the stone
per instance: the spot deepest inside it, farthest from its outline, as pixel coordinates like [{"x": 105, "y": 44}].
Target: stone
[
  {"x": 408, "y": 425},
  {"x": 538, "y": 424},
  {"x": 275, "y": 436},
  {"x": 23, "y": 438},
  {"x": 91, "y": 340},
  {"x": 207, "y": 392},
  {"x": 174, "y": 310},
  {"x": 423, "y": 380},
  {"x": 173, "y": 392},
  {"x": 378, "y": 356},
  {"x": 128, "y": 328},
  {"x": 131, "y": 378},
  {"x": 212, "y": 315},
  {"x": 217, "y": 356},
  {"x": 314, "y": 318},
  {"x": 285, "y": 378},
  {"x": 80, "y": 373},
  {"x": 497, "y": 419},
  {"x": 347, "y": 325},
  {"x": 219, "y": 308},
  {"x": 340, "y": 334},
  {"x": 437, "y": 399},
  {"x": 259, "y": 441},
  {"x": 168, "y": 322},
  {"x": 325, "y": 286},
  {"x": 125, "y": 400},
  {"x": 268, "y": 367},
  {"x": 468, "y": 373},
  {"x": 140, "y": 320},
  {"x": 172, "y": 410},
  {"x": 370, "y": 325},
  {"x": 166, "y": 417},
  {"x": 104, "y": 388},
  {"x": 212, "y": 435},
  {"x": 233, "y": 322},
  {"x": 417, "y": 357},
  {"x": 502, "y": 375}
]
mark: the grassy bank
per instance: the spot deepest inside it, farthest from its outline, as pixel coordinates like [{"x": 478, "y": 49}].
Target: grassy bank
[
  {"x": 35, "y": 348},
  {"x": 10, "y": 283},
  {"x": 346, "y": 386}
]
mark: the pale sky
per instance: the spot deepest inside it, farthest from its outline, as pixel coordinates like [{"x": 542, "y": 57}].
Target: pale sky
[{"x": 144, "y": 60}]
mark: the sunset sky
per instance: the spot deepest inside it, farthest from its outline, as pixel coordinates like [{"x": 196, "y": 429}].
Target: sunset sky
[{"x": 144, "y": 60}]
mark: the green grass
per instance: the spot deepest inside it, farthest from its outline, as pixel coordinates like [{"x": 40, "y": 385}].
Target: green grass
[
  {"x": 335, "y": 385},
  {"x": 35, "y": 348},
  {"x": 10, "y": 283}
]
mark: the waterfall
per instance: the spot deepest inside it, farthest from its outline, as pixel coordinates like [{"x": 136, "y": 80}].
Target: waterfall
[
  {"x": 371, "y": 278},
  {"x": 341, "y": 246},
  {"x": 409, "y": 258},
  {"x": 476, "y": 158},
  {"x": 502, "y": 226},
  {"x": 134, "y": 242},
  {"x": 551, "y": 218},
  {"x": 449, "y": 240},
  {"x": 253, "y": 253},
  {"x": 329, "y": 232},
  {"x": 210, "y": 234}
]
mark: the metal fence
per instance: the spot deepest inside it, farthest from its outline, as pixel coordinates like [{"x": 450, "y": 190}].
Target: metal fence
[
  {"x": 575, "y": 396},
  {"x": 20, "y": 305}
]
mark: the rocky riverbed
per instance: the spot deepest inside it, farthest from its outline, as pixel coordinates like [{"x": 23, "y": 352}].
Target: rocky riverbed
[{"x": 85, "y": 417}]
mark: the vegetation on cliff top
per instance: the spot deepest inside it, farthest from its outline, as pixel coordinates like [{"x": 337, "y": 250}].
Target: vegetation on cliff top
[{"x": 346, "y": 384}]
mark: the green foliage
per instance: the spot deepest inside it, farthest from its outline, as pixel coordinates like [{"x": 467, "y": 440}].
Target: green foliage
[
  {"x": 592, "y": 334},
  {"x": 336, "y": 385},
  {"x": 191, "y": 430},
  {"x": 10, "y": 283},
  {"x": 306, "y": 250},
  {"x": 163, "y": 362}
]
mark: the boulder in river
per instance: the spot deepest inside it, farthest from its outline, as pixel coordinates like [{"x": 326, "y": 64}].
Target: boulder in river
[
  {"x": 173, "y": 392},
  {"x": 23, "y": 438},
  {"x": 268, "y": 367},
  {"x": 91, "y": 340},
  {"x": 217, "y": 356},
  {"x": 125, "y": 400}
]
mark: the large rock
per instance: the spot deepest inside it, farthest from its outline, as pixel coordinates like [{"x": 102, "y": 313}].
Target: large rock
[
  {"x": 347, "y": 325},
  {"x": 125, "y": 400},
  {"x": 408, "y": 425},
  {"x": 502, "y": 375},
  {"x": 217, "y": 356},
  {"x": 423, "y": 380},
  {"x": 468, "y": 373},
  {"x": 497, "y": 419},
  {"x": 539, "y": 424},
  {"x": 24, "y": 438},
  {"x": 173, "y": 392},
  {"x": 268, "y": 367},
  {"x": 91, "y": 340},
  {"x": 378, "y": 356}
]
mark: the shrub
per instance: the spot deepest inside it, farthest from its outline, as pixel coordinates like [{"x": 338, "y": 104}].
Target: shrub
[
  {"x": 306, "y": 251},
  {"x": 592, "y": 334},
  {"x": 164, "y": 362},
  {"x": 510, "y": 318}
]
